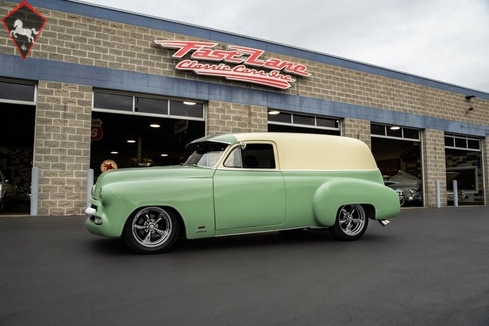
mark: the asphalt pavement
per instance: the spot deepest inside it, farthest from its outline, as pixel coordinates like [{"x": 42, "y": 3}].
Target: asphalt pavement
[{"x": 428, "y": 267}]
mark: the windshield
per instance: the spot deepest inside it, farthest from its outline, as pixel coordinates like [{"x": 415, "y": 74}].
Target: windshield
[{"x": 207, "y": 154}]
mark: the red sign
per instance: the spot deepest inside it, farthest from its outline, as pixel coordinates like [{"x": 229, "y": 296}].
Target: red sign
[
  {"x": 108, "y": 165},
  {"x": 236, "y": 63},
  {"x": 97, "y": 132},
  {"x": 24, "y": 24}
]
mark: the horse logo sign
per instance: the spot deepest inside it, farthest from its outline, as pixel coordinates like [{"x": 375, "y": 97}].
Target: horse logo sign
[
  {"x": 24, "y": 24},
  {"x": 19, "y": 29}
]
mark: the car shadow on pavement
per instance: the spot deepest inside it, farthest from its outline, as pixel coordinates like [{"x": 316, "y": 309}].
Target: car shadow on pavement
[
  {"x": 107, "y": 246},
  {"x": 266, "y": 240}
]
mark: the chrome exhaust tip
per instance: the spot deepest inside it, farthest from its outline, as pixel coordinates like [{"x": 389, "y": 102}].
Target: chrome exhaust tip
[{"x": 384, "y": 222}]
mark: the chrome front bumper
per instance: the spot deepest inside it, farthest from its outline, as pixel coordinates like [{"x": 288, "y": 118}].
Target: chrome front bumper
[{"x": 90, "y": 211}]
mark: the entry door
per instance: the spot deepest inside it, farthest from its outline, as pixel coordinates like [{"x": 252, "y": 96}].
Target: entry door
[{"x": 246, "y": 198}]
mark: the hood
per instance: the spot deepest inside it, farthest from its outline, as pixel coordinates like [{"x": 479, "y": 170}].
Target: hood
[{"x": 151, "y": 173}]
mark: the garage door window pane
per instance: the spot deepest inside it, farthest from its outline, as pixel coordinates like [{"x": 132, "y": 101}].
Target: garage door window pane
[
  {"x": 411, "y": 133},
  {"x": 473, "y": 144},
  {"x": 281, "y": 117},
  {"x": 449, "y": 141},
  {"x": 303, "y": 120},
  {"x": 185, "y": 110},
  {"x": 394, "y": 133},
  {"x": 149, "y": 105},
  {"x": 112, "y": 102},
  {"x": 331, "y": 123},
  {"x": 378, "y": 130},
  {"x": 19, "y": 92},
  {"x": 461, "y": 142}
]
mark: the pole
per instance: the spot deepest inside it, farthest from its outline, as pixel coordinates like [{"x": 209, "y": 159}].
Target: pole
[
  {"x": 89, "y": 185},
  {"x": 34, "y": 191}
]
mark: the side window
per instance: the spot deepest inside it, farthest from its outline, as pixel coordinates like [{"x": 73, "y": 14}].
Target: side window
[
  {"x": 254, "y": 156},
  {"x": 258, "y": 156},
  {"x": 234, "y": 159}
]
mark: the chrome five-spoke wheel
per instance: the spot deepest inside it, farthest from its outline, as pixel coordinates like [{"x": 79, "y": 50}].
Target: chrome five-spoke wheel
[
  {"x": 351, "y": 222},
  {"x": 151, "y": 229}
]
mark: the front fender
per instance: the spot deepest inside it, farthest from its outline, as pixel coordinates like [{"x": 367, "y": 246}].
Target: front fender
[
  {"x": 337, "y": 192},
  {"x": 192, "y": 198}
]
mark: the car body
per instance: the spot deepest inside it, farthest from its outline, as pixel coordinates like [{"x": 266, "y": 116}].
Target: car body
[
  {"x": 244, "y": 183},
  {"x": 407, "y": 186},
  {"x": 8, "y": 191}
]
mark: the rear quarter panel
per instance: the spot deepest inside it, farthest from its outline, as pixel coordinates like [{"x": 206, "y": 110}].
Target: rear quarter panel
[
  {"x": 341, "y": 191},
  {"x": 313, "y": 197}
]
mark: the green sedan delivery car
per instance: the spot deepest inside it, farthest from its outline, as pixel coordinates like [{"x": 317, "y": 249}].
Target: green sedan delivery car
[{"x": 244, "y": 183}]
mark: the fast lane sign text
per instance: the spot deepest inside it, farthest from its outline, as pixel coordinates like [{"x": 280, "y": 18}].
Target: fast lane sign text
[{"x": 240, "y": 57}]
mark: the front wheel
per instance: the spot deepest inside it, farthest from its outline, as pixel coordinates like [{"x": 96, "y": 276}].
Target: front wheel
[
  {"x": 151, "y": 230},
  {"x": 351, "y": 222}
]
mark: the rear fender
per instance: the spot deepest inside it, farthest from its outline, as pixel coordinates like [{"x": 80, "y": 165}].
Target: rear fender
[{"x": 333, "y": 194}]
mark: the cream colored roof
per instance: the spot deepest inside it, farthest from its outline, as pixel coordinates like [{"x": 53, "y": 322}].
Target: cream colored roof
[{"x": 316, "y": 152}]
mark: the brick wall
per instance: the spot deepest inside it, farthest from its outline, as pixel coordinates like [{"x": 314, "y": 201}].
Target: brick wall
[
  {"x": 85, "y": 40},
  {"x": 89, "y": 41},
  {"x": 224, "y": 117},
  {"x": 355, "y": 128},
  {"x": 62, "y": 147},
  {"x": 434, "y": 166}
]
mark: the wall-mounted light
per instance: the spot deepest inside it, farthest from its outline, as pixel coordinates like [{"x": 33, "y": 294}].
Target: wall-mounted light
[
  {"x": 274, "y": 112},
  {"x": 131, "y": 141},
  {"x": 189, "y": 103},
  {"x": 114, "y": 152},
  {"x": 164, "y": 155},
  {"x": 470, "y": 109},
  {"x": 469, "y": 97},
  {"x": 395, "y": 128},
  {"x": 154, "y": 125}
]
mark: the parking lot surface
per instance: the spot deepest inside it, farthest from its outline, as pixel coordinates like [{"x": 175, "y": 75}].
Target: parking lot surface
[{"x": 428, "y": 267}]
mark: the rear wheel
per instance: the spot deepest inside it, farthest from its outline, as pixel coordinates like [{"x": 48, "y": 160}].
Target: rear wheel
[
  {"x": 351, "y": 222},
  {"x": 151, "y": 230}
]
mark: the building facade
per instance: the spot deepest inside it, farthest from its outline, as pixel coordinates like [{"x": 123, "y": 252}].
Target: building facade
[{"x": 95, "y": 77}]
